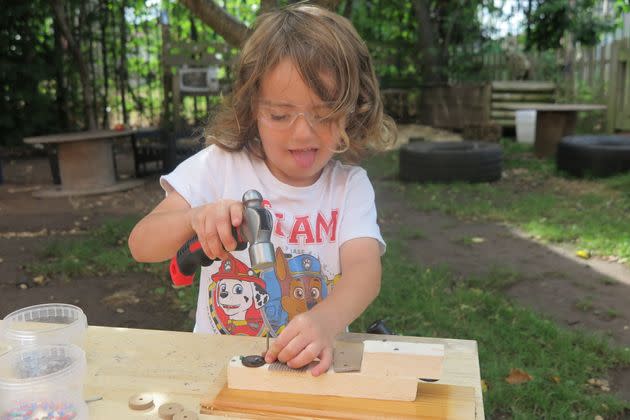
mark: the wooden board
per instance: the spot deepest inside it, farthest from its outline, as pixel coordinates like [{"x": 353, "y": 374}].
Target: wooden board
[
  {"x": 389, "y": 371},
  {"x": 434, "y": 401}
]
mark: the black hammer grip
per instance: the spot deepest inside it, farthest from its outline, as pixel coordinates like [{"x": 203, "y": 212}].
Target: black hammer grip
[{"x": 191, "y": 256}]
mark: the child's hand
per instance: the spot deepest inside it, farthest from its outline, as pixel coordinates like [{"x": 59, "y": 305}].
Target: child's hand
[
  {"x": 305, "y": 338},
  {"x": 213, "y": 225}
]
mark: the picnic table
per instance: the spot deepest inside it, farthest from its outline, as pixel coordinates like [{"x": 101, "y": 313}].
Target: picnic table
[
  {"x": 187, "y": 368},
  {"x": 553, "y": 122},
  {"x": 86, "y": 162}
]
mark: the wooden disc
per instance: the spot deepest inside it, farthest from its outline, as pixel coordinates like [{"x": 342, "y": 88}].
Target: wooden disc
[
  {"x": 186, "y": 415},
  {"x": 141, "y": 401},
  {"x": 168, "y": 410}
]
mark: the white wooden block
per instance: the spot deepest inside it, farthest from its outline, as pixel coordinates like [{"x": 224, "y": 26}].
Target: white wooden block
[
  {"x": 347, "y": 384},
  {"x": 395, "y": 358}
]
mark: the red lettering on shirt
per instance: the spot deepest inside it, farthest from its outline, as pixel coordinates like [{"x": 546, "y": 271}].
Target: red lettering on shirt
[
  {"x": 278, "y": 229},
  {"x": 301, "y": 227},
  {"x": 329, "y": 227}
]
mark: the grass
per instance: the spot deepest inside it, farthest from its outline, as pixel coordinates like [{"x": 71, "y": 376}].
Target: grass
[
  {"x": 104, "y": 251},
  {"x": 424, "y": 302},
  {"x": 591, "y": 214}
]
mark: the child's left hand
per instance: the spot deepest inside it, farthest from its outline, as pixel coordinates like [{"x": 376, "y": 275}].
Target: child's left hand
[{"x": 308, "y": 336}]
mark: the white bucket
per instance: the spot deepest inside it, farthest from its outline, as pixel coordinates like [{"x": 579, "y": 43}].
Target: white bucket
[{"x": 525, "y": 126}]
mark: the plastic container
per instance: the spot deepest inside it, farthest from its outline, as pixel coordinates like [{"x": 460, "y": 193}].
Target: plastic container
[
  {"x": 43, "y": 382},
  {"x": 50, "y": 323},
  {"x": 525, "y": 126}
]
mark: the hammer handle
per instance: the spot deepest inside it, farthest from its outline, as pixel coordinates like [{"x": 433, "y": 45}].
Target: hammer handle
[{"x": 190, "y": 257}]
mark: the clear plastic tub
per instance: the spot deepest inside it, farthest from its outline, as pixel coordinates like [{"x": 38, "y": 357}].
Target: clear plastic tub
[
  {"x": 50, "y": 323},
  {"x": 43, "y": 382}
]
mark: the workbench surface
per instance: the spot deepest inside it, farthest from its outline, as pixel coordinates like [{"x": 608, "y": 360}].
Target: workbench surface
[{"x": 182, "y": 367}]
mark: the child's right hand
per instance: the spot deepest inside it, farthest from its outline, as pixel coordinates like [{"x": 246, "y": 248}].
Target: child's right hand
[{"x": 213, "y": 225}]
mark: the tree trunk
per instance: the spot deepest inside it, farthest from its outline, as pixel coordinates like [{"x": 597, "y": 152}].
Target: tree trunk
[
  {"x": 167, "y": 77},
  {"x": 104, "y": 18},
  {"x": 569, "y": 55},
  {"x": 92, "y": 70},
  {"x": 75, "y": 50},
  {"x": 62, "y": 88},
  {"x": 267, "y": 5},
  {"x": 347, "y": 9},
  {"x": 430, "y": 60},
  {"x": 233, "y": 31},
  {"x": 122, "y": 69}
]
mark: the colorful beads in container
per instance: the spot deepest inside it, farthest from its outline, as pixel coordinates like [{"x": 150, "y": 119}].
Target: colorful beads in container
[{"x": 41, "y": 410}]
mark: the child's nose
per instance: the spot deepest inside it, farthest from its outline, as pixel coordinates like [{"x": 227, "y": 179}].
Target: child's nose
[{"x": 302, "y": 125}]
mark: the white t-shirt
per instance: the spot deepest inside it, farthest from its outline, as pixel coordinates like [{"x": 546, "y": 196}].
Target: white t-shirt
[{"x": 310, "y": 225}]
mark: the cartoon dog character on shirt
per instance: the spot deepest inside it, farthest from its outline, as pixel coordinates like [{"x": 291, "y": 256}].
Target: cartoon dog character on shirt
[
  {"x": 302, "y": 282},
  {"x": 238, "y": 295}
]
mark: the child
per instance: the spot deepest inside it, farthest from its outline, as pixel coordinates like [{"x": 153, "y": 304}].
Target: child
[{"x": 305, "y": 91}]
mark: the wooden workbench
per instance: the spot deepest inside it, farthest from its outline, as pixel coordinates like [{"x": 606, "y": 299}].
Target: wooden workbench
[{"x": 183, "y": 367}]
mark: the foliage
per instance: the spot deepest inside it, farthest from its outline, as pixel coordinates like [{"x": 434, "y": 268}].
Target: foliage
[
  {"x": 42, "y": 93},
  {"x": 551, "y": 19},
  {"x": 27, "y": 81}
]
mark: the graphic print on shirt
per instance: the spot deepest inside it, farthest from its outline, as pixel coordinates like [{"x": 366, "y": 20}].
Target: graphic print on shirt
[
  {"x": 295, "y": 285},
  {"x": 236, "y": 296}
]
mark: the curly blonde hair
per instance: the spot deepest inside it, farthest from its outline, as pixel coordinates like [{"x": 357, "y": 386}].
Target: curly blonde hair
[{"x": 322, "y": 45}]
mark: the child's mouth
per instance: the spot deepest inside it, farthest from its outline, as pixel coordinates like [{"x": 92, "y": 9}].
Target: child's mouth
[{"x": 304, "y": 157}]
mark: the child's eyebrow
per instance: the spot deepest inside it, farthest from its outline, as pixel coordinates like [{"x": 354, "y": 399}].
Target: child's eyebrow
[
  {"x": 272, "y": 103},
  {"x": 290, "y": 105}
]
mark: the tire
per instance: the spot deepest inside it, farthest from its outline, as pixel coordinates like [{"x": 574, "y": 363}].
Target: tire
[
  {"x": 597, "y": 156},
  {"x": 467, "y": 161}
]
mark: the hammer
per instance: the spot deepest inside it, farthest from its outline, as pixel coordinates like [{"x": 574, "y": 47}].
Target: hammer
[{"x": 255, "y": 231}]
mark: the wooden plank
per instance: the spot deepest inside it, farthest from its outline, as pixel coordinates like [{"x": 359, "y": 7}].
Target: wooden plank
[
  {"x": 613, "y": 86},
  {"x": 346, "y": 384},
  {"x": 558, "y": 107},
  {"x": 502, "y": 114},
  {"x": 389, "y": 370},
  {"x": 505, "y": 122},
  {"x": 522, "y": 97},
  {"x": 434, "y": 401},
  {"x": 394, "y": 358},
  {"x": 509, "y": 105},
  {"x": 523, "y": 86},
  {"x": 78, "y": 136}
]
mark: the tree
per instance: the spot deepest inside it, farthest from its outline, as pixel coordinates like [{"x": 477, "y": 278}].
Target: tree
[
  {"x": 549, "y": 21},
  {"x": 75, "y": 51},
  {"x": 230, "y": 28}
]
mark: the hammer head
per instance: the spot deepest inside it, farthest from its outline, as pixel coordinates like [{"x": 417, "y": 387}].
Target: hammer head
[{"x": 256, "y": 228}]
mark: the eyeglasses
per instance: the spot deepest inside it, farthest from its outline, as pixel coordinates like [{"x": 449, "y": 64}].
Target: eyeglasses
[{"x": 282, "y": 118}]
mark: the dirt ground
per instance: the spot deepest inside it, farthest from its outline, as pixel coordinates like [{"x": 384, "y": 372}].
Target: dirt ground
[{"x": 581, "y": 294}]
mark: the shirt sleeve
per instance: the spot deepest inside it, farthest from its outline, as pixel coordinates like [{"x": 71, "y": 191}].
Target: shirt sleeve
[
  {"x": 359, "y": 216},
  {"x": 194, "y": 178}
]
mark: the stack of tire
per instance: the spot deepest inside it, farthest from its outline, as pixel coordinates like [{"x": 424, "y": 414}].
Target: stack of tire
[
  {"x": 596, "y": 156},
  {"x": 452, "y": 161}
]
